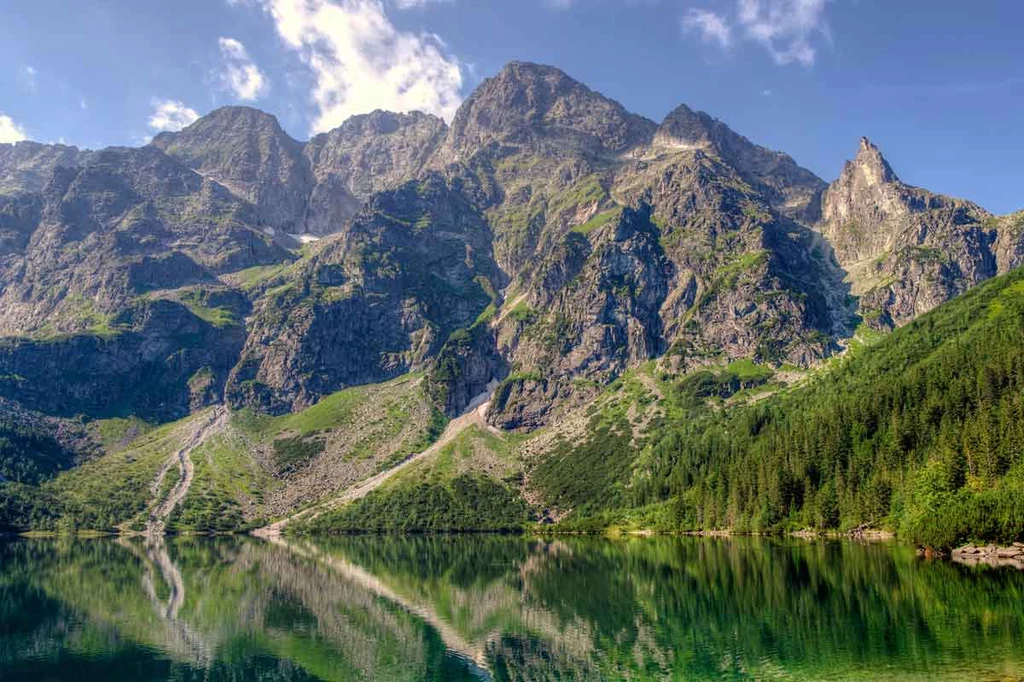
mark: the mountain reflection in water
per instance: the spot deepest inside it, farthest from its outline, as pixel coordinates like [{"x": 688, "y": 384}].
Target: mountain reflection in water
[{"x": 502, "y": 608}]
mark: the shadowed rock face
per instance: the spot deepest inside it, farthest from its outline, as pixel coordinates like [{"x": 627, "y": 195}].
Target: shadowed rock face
[
  {"x": 547, "y": 237},
  {"x": 246, "y": 151},
  {"x": 109, "y": 231},
  {"x": 27, "y": 166},
  {"x": 366, "y": 154}
]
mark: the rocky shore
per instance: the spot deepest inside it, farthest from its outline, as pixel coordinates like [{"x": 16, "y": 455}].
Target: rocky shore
[{"x": 991, "y": 555}]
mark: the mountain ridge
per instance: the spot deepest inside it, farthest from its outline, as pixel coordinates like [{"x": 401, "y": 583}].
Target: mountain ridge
[{"x": 548, "y": 242}]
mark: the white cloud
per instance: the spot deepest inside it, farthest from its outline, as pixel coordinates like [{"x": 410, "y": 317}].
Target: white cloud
[
  {"x": 712, "y": 27},
  {"x": 410, "y": 4},
  {"x": 11, "y": 131},
  {"x": 785, "y": 28},
  {"x": 361, "y": 62},
  {"x": 240, "y": 74},
  {"x": 170, "y": 114}
]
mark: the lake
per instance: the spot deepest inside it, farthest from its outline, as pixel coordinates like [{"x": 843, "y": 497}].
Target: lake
[{"x": 502, "y": 608}]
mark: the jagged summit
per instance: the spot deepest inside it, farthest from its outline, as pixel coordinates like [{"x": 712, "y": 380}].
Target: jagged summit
[
  {"x": 871, "y": 165},
  {"x": 537, "y": 106},
  {"x": 247, "y": 151},
  {"x": 232, "y": 118},
  {"x": 906, "y": 249},
  {"x": 25, "y": 166},
  {"x": 788, "y": 185}
]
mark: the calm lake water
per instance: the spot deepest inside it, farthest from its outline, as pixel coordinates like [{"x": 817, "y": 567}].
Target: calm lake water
[{"x": 469, "y": 608}]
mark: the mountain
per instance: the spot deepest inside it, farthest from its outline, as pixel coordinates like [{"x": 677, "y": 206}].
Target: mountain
[
  {"x": 246, "y": 151},
  {"x": 920, "y": 432},
  {"x": 787, "y": 186},
  {"x": 112, "y": 304},
  {"x": 906, "y": 249},
  {"x": 547, "y": 257},
  {"x": 305, "y": 188},
  {"x": 537, "y": 108},
  {"x": 26, "y": 166},
  {"x": 371, "y": 303}
]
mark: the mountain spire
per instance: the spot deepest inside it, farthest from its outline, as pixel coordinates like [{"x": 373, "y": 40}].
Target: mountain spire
[{"x": 872, "y": 166}]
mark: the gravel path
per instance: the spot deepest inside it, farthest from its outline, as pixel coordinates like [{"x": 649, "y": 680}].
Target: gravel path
[{"x": 157, "y": 522}]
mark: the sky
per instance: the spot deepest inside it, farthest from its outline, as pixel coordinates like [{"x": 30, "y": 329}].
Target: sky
[{"x": 937, "y": 84}]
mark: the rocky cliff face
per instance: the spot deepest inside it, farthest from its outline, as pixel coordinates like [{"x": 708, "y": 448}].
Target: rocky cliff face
[
  {"x": 27, "y": 166},
  {"x": 906, "y": 249},
  {"x": 125, "y": 223},
  {"x": 373, "y": 302},
  {"x": 366, "y": 154},
  {"x": 109, "y": 289}
]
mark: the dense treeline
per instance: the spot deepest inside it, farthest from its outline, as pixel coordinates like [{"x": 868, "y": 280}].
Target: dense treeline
[
  {"x": 467, "y": 503},
  {"x": 923, "y": 433}
]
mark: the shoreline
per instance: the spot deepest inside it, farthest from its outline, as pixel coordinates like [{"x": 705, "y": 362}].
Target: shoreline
[{"x": 991, "y": 555}]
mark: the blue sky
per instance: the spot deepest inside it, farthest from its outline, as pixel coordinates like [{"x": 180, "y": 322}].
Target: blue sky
[{"x": 937, "y": 84}]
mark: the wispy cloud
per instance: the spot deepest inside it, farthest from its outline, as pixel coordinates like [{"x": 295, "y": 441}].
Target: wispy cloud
[
  {"x": 239, "y": 74},
  {"x": 28, "y": 77},
  {"x": 11, "y": 131},
  {"x": 785, "y": 28},
  {"x": 171, "y": 114},
  {"x": 360, "y": 61},
  {"x": 711, "y": 27}
]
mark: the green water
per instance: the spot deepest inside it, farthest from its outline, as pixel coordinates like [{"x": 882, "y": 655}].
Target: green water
[{"x": 466, "y": 608}]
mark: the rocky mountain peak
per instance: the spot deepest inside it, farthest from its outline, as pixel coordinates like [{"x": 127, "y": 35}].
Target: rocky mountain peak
[
  {"x": 541, "y": 108},
  {"x": 866, "y": 192},
  {"x": 367, "y": 153},
  {"x": 686, "y": 128},
  {"x": 871, "y": 166},
  {"x": 906, "y": 250},
  {"x": 26, "y": 166},
  {"x": 247, "y": 151},
  {"x": 787, "y": 185},
  {"x": 232, "y": 122}
]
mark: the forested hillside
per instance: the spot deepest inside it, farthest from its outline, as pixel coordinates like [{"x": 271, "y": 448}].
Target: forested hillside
[{"x": 921, "y": 433}]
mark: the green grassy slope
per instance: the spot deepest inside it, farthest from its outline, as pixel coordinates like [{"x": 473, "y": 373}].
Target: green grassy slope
[
  {"x": 257, "y": 467},
  {"x": 471, "y": 484}
]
